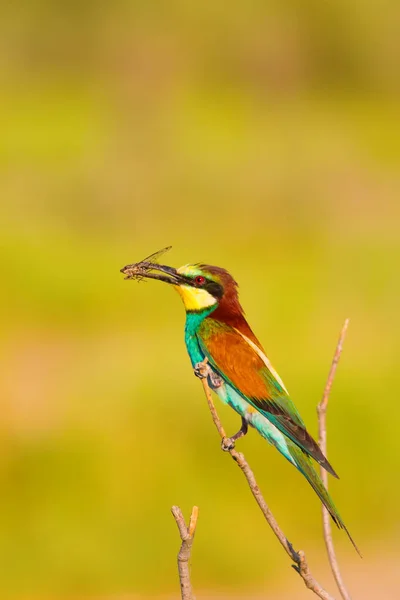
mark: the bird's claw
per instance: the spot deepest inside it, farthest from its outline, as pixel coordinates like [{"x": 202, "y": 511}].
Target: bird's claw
[
  {"x": 227, "y": 444},
  {"x": 201, "y": 370},
  {"x": 215, "y": 380}
]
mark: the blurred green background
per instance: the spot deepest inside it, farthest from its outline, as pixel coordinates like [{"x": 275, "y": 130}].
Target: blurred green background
[{"x": 259, "y": 136}]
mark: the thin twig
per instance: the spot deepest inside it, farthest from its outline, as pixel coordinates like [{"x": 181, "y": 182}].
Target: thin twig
[
  {"x": 301, "y": 565},
  {"x": 187, "y": 536},
  {"x": 322, "y": 431}
]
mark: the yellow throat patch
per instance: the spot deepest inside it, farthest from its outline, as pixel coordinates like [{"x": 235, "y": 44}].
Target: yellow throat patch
[{"x": 193, "y": 298}]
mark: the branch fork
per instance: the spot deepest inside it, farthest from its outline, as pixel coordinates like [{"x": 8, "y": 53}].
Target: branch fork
[{"x": 186, "y": 533}]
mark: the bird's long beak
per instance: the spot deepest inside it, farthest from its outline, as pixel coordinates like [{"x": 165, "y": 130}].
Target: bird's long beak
[{"x": 146, "y": 270}]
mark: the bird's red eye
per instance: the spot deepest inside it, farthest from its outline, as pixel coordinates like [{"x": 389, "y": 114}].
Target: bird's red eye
[{"x": 200, "y": 280}]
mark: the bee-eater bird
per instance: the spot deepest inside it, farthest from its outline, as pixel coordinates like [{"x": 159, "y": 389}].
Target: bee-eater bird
[{"x": 238, "y": 369}]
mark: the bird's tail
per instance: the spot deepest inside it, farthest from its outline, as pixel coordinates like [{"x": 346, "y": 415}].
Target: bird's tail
[{"x": 306, "y": 468}]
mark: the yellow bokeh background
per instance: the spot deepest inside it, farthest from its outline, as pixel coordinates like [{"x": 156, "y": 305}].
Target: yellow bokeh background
[{"x": 259, "y": 136}]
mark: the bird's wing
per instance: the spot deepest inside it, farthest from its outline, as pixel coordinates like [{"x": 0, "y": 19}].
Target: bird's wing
[{"x": 243, "y": 365}]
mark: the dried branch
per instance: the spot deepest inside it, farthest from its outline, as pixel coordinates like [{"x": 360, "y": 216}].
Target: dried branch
[
  {"x": 187, "y": 536},
  {"x": 301, "y": 565},
  {"x": 321, "y": 411}
]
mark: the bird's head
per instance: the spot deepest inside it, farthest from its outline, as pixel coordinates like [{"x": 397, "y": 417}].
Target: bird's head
[
  {"x": 200, "y": 286},
  {"x": 203, "y": 286}
]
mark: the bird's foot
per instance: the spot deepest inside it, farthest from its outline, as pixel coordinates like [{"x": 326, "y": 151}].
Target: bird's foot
[
  {"x": 202, "y": 370},
  {"x": 215, "y": 380},
  {"x": 227, "y": 444}
]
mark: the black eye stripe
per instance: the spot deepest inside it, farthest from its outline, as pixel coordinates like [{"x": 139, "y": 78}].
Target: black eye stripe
[{"x": 214, "y": 288}]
